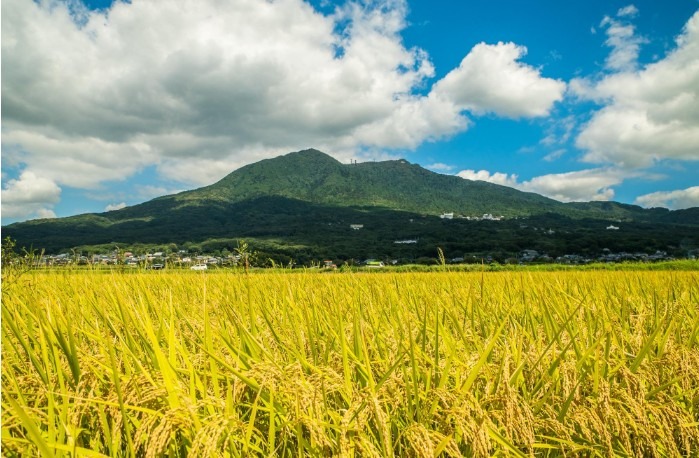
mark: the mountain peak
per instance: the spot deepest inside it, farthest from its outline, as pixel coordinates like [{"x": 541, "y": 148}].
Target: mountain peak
[
  {"x": 307, "y": 152},
  {"x": 310, "y": 154}
]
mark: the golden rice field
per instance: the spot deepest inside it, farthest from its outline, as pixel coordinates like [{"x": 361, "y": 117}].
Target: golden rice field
[{"x": 351, "y": 364}]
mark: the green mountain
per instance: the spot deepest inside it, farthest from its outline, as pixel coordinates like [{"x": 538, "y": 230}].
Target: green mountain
[
  {"x": 308, "y": 199},
  {"x": 315, "y": 177}
]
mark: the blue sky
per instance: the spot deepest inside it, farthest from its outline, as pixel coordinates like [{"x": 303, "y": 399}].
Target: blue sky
[{"x": 111, "y": 104}]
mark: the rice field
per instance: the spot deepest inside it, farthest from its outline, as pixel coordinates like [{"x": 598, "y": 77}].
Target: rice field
[{"x": 351, "y": 364}]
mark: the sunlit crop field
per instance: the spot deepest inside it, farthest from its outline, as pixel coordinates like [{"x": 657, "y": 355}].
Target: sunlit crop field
[{"x": 351, "y": 364}]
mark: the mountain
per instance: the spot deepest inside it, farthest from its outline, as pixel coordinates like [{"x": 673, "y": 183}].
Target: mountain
[
  {"x": 308, "y": 199},
  {"x": 315, "y": 177}
]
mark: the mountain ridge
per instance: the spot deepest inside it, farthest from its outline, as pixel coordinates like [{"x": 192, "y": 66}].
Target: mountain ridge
[
  {"x": 395, "y": 184},
  {"x": 259, "y": 196},
  {"x": 366, "y": 184}
]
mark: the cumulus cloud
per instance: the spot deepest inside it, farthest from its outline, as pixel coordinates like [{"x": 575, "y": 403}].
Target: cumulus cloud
[
  {"x": 29, "y": 196},
  {"x": 490, "y": 79},
  {"x": 484, "y": 175},
  {"x": 198, "y": 88},
  {"x": 648, "y": 115},
  {"x": 112, "y": 207},
  {"x": 43, "y": 213},
  {"x": 675, "y": 200},
  {"x": 93, "y": 96},
  {"x": 82, "y": 162},
  {"x": 416, "y": 120},
  {"x": 578, "y": 186}
]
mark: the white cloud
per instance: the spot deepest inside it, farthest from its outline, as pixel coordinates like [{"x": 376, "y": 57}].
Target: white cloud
[
  {"x": 43, "y": 213},
  {"x": 197, "y": 88},
  {"x": 440, "y": 167},
  {"x": 622, "y": 38},
  {"x": 578, "y": 186},
  {"x": 416, "y": 120},
  {"x": 490, "y": 79},
  {"x": 678, "y": 199},
  {"x": 147, "y": 84},
  {"x": 560, "y": 131},
  {"x": 201, "y": 171},
  {"x": 112, "y": 207},
  {"x": 149, "y": 191},
  {"x": 29, "y": 196},
  {"x": 553, "y": 155},
  {"x": 82, "y": 162},
  {"x": 483, "y": 175},
  {"x": 649, "y": 115},
  {"x": 629, "y": 10},
  {"x": 202, "y": 79}
]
